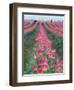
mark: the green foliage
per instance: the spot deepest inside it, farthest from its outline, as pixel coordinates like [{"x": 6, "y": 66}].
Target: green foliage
[
  {"x": 49, "y": 70},
  {"x": 57, "y": 43},
  {"x": 29, "y": 41}
]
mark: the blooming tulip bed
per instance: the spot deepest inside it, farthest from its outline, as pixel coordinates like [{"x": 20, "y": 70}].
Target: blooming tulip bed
[{"x": 43, "y": 47}]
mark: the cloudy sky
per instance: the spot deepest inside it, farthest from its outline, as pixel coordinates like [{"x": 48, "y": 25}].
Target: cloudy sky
[{"x": 44, "y": 17}]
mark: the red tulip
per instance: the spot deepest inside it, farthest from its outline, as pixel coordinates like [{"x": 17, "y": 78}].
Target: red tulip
[{"x": 39, "y": 70}]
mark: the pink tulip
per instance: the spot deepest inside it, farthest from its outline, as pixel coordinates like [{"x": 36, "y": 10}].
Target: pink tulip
[
  {"x": 51, "y": 65},
  {"x": 40, "y": 52},
  {"x": 39, "y": 62},
  {"x": 34, "y": 68},
  {"x": 51, "y": 56},
  {"x": 44, "y": 67},
  {"x": 42, "y": 47},
  {"x": 59, "y": 65},
  {"x": 54, "y": 51},
  {"x": 44, "y": 58},
  {"x": 47, "y": 51},
  {"x": 35, "y": 56},
  {"x": 42, "y": 62}
]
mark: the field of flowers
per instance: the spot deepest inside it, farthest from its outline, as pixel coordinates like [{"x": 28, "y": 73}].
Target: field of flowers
[{"x": 43, "y": 47}]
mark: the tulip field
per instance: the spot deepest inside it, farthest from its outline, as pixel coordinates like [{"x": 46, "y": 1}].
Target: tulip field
[{"x": 43, "y": 47}]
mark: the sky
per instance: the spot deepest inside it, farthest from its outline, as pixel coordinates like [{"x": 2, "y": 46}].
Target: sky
[{"x": 44, "y": 17}]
